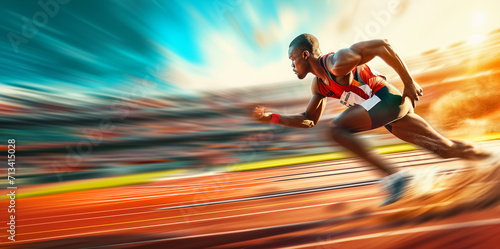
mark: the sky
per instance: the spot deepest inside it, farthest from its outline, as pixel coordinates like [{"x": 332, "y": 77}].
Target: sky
[{"x": 105, "y": 47}]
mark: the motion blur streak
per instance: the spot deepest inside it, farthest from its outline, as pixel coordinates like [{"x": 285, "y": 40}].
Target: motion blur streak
[{"x": 131, "y": 118}]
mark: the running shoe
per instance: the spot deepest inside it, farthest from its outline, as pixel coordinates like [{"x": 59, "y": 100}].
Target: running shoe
[{"x": 395, "y": 185}]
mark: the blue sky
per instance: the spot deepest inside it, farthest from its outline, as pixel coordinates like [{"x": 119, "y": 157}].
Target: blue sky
[{"x": 97, "y": 45}]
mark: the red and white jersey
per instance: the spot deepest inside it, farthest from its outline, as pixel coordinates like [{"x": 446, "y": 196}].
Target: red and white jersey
[{"x": 365, "y": 83}]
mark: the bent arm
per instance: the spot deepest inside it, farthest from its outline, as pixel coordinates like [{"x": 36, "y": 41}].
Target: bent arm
[
  {"x": 345, "y": 60},
  {"x": 381, "y": 48},
  {"x": 310, "y": 117}
]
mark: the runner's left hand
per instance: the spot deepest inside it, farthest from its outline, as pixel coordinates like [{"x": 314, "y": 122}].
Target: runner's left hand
[{"x": 412, "y": 91}]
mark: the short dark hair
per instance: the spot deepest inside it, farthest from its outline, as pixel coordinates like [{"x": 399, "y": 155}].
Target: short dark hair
[{"x": 306, "y": 42}]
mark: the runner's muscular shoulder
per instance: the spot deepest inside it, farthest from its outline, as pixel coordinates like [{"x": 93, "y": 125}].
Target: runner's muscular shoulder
[
  {"x": 345, "y": 60},
  {"x": 341, "y": 65}
]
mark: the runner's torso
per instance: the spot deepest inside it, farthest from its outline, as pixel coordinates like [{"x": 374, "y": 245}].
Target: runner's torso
[{"x": 362, "y": 87}]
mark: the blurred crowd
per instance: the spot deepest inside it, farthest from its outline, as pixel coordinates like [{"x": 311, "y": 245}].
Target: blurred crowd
[{"x": 65, "y": 137}]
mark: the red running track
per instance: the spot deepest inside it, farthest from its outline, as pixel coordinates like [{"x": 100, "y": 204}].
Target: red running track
[{"x": 319, "y": 205}]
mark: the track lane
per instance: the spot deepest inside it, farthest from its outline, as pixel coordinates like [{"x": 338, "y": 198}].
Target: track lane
[{"x": 118, "y": 215}]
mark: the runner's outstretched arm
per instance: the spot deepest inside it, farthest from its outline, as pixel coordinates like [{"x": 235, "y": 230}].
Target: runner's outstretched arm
[
  {"x": 345, "y": 60},
  {"x": 308, "y": 119}
]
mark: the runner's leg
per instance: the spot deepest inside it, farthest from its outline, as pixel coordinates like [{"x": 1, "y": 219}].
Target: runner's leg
[
  {"x": 342, "y": 129},
  {"x": 414, "y": 129}
]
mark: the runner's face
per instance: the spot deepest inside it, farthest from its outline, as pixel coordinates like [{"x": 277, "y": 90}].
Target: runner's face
[{"x": 299, "y": 62}]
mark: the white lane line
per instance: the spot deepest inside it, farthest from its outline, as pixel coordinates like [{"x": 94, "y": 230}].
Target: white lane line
[
  {"x": 121, "y": 209},
  {"x": 448, "y": 226},
  {"x": 278, "y": 194},
  {"x": 134, "y": 198},
  {"x": 157, "y": 206},
  {"x": 252, "y": 181},
  {"x": 355, "y": 216},
  {"x": 90, "y": 218},
  {"x": 187, "y": 189},
  {"x": 271, "y": 211},
  {"x": 209, "y": 219}
]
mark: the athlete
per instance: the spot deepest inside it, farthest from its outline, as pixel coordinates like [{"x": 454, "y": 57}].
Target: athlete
[{"x": 372, "y": 102}]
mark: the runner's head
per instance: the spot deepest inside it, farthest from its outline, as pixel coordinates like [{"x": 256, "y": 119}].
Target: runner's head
[{"x": 301, "y": 49}]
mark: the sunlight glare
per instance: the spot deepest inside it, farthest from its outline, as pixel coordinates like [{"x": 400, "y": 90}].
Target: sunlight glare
[
  {"x": 478, "y": 18},
  {"x": 475, "y": 39}
]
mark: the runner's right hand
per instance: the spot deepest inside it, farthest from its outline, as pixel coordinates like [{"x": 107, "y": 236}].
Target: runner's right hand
[{"x": 260, "y": 114}]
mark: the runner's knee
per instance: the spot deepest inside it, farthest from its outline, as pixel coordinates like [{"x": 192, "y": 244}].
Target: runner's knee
[{"x": 336, "y": 131}]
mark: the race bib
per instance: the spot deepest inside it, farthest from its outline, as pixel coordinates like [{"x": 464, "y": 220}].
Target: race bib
[{"x": 350, "y": 98}]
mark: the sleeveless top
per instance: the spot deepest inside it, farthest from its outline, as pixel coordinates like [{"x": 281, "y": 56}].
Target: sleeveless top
[{"x": 363, "y": 86}]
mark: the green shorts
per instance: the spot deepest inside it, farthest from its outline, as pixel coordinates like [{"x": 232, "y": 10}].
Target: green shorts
[{"x": 385, "y": 107}]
